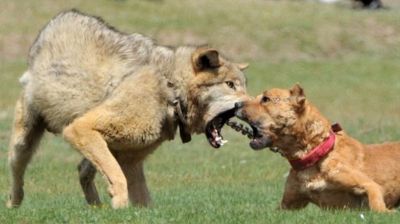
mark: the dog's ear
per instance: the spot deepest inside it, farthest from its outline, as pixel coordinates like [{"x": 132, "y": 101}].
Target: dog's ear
[
  {"x": 299, "y": 99},
  {"x": 205, "y": 58},
  {"x": 242, "y": 66}
]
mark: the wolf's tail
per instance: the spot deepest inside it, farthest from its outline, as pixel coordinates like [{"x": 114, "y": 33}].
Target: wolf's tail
[{"x": 25, "y": 78}]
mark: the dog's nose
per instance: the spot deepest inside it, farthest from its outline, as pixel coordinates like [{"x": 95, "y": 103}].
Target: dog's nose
[{"x": 239, "y": 105}]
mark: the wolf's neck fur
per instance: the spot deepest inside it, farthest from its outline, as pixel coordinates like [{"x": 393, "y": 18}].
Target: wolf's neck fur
[
  {"x": 310, "y": 130},
  {"x": 176, "y": 66}
]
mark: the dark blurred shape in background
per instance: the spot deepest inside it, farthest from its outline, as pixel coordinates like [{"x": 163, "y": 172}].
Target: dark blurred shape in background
[{"x": 368, "y": 4}]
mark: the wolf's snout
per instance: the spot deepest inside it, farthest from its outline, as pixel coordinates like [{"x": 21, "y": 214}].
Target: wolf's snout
[{"x": 238, "y": 109}]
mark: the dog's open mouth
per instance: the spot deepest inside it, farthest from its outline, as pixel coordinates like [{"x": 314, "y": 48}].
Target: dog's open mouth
[
  {"x": 213, "y": 128},
  {"x": 257, "y": 140}
]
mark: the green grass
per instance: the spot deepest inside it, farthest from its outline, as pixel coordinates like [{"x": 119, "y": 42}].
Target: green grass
[{"x": 348, "y": 62}]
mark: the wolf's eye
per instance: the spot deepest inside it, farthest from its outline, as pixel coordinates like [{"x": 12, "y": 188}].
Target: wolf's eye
[
  {"x": 265, "y": 99},
  {"x": 230, "y": 84}
]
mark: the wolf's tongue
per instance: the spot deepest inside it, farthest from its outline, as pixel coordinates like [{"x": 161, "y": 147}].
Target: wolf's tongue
[{"x": 214, "y": 133}]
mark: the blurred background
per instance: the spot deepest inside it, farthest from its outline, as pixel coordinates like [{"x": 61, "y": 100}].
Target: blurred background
[{"x": 347, "y": 58}]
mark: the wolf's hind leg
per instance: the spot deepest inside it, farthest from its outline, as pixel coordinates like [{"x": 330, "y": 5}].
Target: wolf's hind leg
[
  {"x": 27, "y": 131},
  {"x": 87, "y": 172}
]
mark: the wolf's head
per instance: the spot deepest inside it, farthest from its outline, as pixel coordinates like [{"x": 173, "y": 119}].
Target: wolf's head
[{"x": 213, "y": 90}]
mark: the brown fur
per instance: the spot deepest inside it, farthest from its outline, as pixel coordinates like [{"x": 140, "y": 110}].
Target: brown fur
[
  {"x": 352, "y": 175},
  {"x": 113, "y": 97}
]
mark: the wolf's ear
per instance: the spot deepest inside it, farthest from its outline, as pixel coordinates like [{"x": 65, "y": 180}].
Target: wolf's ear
[
  {"x": 242, "y": 66},
  {"x": 299, "y": 99},
  {"x": 205, "y": 58}
]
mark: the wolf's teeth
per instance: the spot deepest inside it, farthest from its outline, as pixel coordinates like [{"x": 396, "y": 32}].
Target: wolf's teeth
[
  {"x": 214, "y": 133},
  {"x": 244, "y": 130}
]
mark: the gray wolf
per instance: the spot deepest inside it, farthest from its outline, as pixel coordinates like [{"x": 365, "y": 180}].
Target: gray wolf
[
  {"x": 329, "y": 168},
  {"x": 115, "y": 98}
]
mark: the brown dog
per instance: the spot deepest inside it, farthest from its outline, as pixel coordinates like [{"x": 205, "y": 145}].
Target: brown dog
[{"x": 329, "y": 168}]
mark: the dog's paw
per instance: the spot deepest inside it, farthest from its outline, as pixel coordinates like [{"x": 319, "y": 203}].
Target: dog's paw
[{"x": 385, "y": 210}]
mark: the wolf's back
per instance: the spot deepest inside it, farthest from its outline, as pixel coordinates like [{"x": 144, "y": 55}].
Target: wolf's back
[{"x": 76, "y": 62}]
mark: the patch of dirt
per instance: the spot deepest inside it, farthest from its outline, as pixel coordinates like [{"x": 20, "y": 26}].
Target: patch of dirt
[{"x": 381, "y": 32}]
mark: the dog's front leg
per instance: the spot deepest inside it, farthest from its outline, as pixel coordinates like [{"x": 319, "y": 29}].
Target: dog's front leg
[
  {"x": 292, "y": 197},
  {"x": 350, "y": 178},
  {"x": 293, "y": 200},
  {"x": 83, "y": 136}
]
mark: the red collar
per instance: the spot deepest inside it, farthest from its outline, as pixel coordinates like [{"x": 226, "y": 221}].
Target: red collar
[{"x": 318, "y": 152}]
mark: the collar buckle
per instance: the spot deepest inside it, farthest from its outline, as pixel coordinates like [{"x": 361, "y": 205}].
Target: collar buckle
[{"x": 182, "y": 122}]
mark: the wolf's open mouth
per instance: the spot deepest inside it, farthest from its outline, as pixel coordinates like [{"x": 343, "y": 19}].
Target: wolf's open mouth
[
  {"x": 216, "y": 140},
  {"x": 213, "y": 128}
]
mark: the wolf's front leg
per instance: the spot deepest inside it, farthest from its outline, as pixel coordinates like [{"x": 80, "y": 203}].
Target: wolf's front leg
[
  {"x": 132, "y": 167},
  {"x": 82, "y": 135}
]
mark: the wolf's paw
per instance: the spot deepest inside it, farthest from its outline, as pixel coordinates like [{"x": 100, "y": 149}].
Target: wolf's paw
[
  {"x": 119, "y": 201},
  {"x": 13, "y": 203},
  {"x": 15, "y": 199}
]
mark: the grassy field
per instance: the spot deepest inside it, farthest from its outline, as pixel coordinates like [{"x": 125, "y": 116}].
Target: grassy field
[{"x": 347, "y": 60}]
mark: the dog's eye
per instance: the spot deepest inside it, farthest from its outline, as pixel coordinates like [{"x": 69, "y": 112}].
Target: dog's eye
[
  {"x": 230, "y": 84},
  {"x": 265, "y": 99}
]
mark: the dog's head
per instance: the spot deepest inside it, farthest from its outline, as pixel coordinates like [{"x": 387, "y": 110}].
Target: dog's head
[
  {"x": 273, "y": 116},
  {"x": 216, "y": 86}
]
